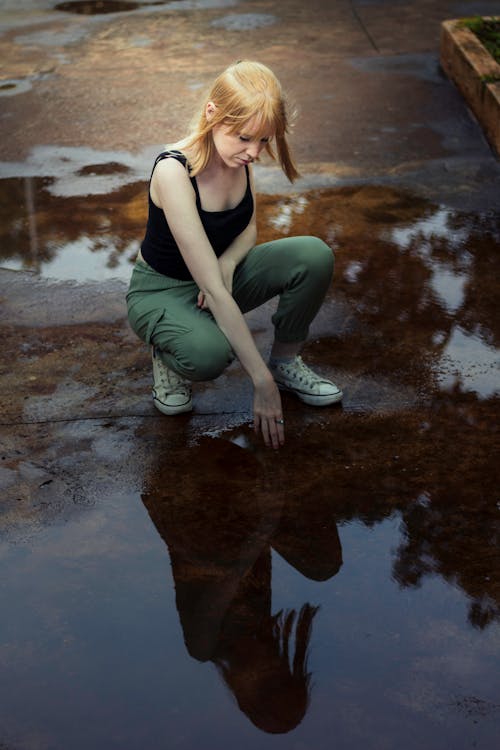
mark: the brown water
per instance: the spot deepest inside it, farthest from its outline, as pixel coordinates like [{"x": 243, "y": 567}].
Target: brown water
[
  {"x": 97, "y": 7},
  {"x": 175, "y": 585},
  {"x": 417, "y": 281}
]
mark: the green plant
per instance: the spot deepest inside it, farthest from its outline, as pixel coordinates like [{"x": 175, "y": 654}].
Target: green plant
[
  {"x": 490, "y": 79},
  {"x": 487, "y": 31}
]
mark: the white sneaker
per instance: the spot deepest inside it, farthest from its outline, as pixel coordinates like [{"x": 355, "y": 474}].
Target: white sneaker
[
  {"x": 171, "y": 393},
  {"x": 311, "y": 388}
]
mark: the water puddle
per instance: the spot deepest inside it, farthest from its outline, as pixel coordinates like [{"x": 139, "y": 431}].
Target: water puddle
[
  {"x": 102, "y": 7},
  {"x": 15, "y": 86},
  {"x": 471, "y": 364},
  {"x": 358, "y": 596},
  {"x": 419, "y": 280},
  {"x": 96, "y": 7},
  {"x": 415, "y": 282},
  {"x": 83, "y": 237},
  {"x": 244, "y": 21},
  {"x": 347, "y": 586}
]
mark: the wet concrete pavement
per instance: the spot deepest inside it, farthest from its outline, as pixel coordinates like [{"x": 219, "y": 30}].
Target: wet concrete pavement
[{"x": 370, "y": 542}]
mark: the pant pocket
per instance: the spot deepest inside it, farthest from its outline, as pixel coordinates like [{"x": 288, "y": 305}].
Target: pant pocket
[
  {"x": 152, "y": 323},
  {"x": 164, "y": 330}
]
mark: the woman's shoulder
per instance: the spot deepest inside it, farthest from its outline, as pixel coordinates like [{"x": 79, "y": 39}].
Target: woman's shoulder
[
  {"x": 171, "y": 176},
  {"x": 172, "y": 153},
  {"x": 171, "y": 171}
]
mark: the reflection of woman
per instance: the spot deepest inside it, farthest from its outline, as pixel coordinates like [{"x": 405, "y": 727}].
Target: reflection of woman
[
  {"x": 269, "y": 678},
  {"x": 219, "y": 531},
  {"x": 199, "y": 268}
]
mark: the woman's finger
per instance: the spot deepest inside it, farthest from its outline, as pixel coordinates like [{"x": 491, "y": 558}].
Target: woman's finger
[
  {"x": 256, "y": 423},
  {"x": 265, "y": 432},
  {"x": 280, "y": 428},
  {"x": 276, "y": 432}
]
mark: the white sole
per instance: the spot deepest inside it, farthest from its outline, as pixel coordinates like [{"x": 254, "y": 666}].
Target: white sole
[
  {"x": 172, "y": 410},
  {"x": 332, "y": 398}
]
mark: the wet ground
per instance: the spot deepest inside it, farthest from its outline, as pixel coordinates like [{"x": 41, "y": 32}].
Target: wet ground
[{"x": 170, "y": 583}]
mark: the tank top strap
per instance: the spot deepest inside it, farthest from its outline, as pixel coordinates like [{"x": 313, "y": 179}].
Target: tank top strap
[
  {"x": 170, "y": 154},
  {"x": 180, "y": 157}
]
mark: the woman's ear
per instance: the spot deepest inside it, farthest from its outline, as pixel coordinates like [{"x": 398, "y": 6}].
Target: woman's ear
[{"x": 210, "y": 110}]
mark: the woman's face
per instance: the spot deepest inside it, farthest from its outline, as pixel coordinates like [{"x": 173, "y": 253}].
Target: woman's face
[{"x": 240, "y": 148}]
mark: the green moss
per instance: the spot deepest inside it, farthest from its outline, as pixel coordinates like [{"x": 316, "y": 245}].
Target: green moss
[
  {"x": 487, "y": 31},
  {"x": 490, "y": 79}
]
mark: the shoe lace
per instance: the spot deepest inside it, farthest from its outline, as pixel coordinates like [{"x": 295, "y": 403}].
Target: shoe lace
[
  {"x": 171, "y": 381},
  {"x": 302, "y": 372}
]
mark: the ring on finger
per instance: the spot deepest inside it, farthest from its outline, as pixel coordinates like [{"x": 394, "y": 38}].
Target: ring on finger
[{"x": 279, "y": 421}]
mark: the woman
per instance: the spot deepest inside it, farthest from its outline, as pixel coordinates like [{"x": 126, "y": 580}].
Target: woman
[{"x": 199, "y": 269}]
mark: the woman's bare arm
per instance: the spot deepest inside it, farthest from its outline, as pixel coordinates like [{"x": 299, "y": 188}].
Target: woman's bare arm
[
  {"x": 237, "y": 250},
  {"x": 172, "y": 189}
]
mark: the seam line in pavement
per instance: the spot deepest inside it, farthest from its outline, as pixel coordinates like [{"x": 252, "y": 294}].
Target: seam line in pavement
[
  {"x": 99, "y": 418},
  {"x": 363, "y": 27}
]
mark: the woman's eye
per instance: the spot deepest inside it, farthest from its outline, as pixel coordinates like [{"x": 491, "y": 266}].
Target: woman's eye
[{"x": 246, "y": 139}]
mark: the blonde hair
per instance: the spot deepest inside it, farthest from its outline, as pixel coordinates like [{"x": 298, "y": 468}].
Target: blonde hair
[{"x": 243, "y": 92}]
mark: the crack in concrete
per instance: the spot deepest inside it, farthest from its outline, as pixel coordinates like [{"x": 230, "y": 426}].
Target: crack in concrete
[{"x": 363, "y": 27}]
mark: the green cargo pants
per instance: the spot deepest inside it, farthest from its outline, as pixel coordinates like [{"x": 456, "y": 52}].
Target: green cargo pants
[{"x": 163, "y": 312}]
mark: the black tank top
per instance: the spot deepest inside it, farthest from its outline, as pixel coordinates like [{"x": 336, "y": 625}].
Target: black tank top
[{"x": 159, "y": 248}]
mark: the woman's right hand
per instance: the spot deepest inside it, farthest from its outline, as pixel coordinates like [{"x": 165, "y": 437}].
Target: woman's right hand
[{"x": 268, "y": 413}]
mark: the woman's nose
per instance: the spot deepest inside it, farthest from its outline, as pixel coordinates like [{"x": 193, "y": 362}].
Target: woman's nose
[{"x": 253, "y": 150}]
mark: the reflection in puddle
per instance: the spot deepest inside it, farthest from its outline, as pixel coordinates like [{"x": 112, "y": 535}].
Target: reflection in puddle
[
  {"x": 436, "y": 224},
  {"x": 222, "y": 569},
  {"x": 83, "y": 238},
  {"x": 96, "y": 7},
  {"x": 108, "y": 258},
  {"x": 69, "y": 171},
  {"x": 262, "y": 579},
  {"x": 238, "y": 605},
  {"x": 285, "y": 213},
  {"x": 469, "y": 364},
  {"x": 244, "y": 21},
  {"x": 100, "y": 7},
  {"x": 448, "y": 286},
  {"x": 352, "y": 271},
  {"x": 413, "y": 275},
  {"x": 112, "y": 167},
  {"x": 448, "y": 279},
  {"x": 15, "y": 86},
  {"x": 418, "y": 281}
]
